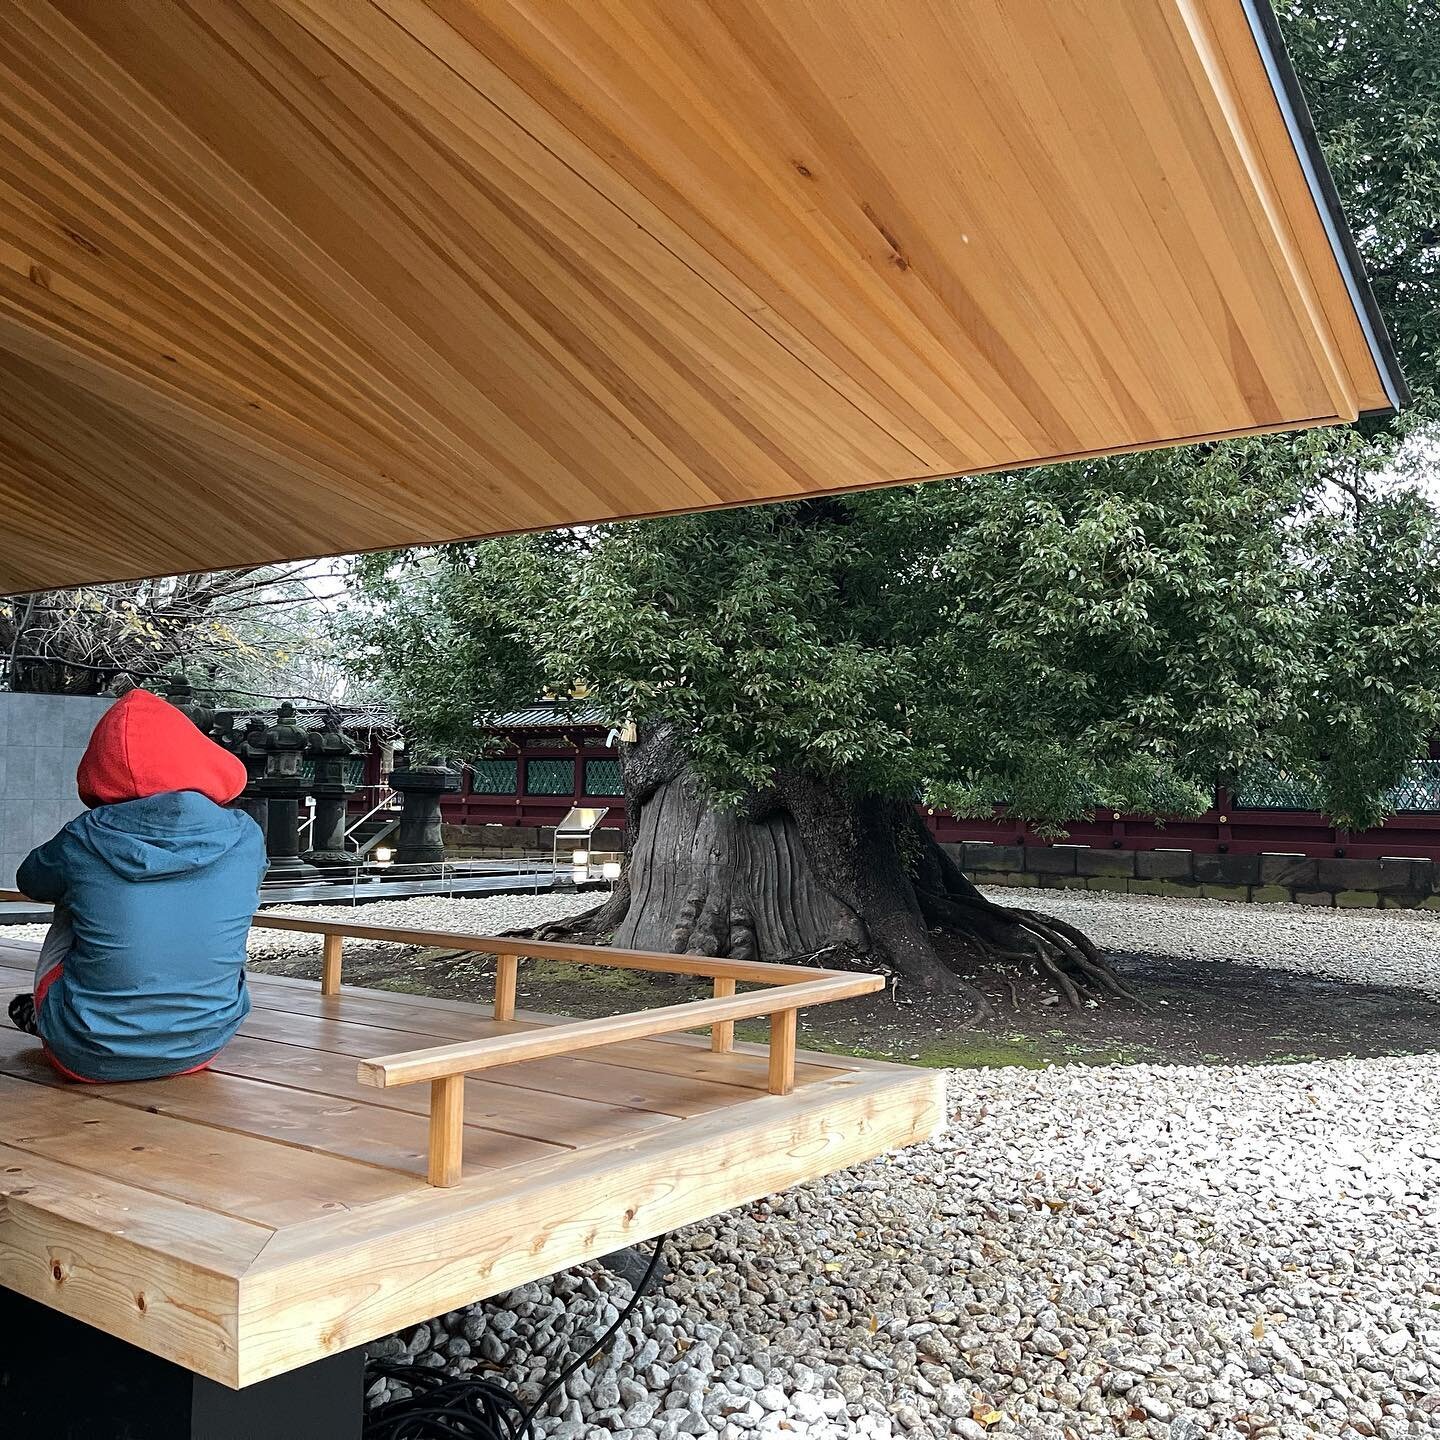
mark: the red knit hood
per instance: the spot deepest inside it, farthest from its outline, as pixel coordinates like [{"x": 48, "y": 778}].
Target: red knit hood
[{"x": 144, "y": 746}]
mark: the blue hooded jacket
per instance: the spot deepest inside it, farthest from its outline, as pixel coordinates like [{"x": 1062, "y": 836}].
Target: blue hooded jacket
[{"x": 160, "y": 892}]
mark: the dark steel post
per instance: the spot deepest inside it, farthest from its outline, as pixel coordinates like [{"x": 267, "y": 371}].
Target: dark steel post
[{"x": 61, "y": 1379}]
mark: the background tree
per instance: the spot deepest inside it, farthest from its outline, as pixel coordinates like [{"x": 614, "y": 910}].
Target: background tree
[
  {"x": 264, "y": 631},
  {"x": 1114, "y": 633}
]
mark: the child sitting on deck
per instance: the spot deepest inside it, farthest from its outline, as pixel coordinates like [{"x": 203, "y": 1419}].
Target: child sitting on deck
[{"x": 142, "y": 974}]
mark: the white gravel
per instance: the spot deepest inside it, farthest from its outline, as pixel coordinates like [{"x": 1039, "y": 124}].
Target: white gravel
[
  {"x": 1129, "y": 1251},
  {"x": 476, "y": 914},
  {"x": 1376, "y": 947},
  {"x": 1151, "y": 1251}
]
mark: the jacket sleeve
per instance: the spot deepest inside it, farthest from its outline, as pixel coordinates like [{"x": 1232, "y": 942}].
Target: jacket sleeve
[{"x": 42, "y": 872}]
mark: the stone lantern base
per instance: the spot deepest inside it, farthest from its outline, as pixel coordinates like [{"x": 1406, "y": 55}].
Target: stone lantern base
[{"x": 332, "y": 860}]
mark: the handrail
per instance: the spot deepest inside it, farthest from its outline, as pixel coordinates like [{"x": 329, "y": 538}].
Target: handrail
[
  {"x": 760, "y": 972},
  {"x": 307, "y": 823},
  {"x": 446, "y": 1066},
  {"x": 467, "y": 1056},
  {"x": 386, "y": 802}
]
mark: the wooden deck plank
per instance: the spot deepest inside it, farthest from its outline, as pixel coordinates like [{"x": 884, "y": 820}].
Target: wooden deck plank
[
  {"x": 244, "y": 1177},
  {"x": 371, "y": 1134},
  {"x": 578, "y": 1077},
  {"x": 446, "y": 1019},
  {"x": 362, "y": 1275},
  {"x": 158, "y": 1273},
  {"x": 559, "y": 1119}
]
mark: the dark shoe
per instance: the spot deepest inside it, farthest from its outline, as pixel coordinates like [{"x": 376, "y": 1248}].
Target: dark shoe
[{"x": 22, "y": 1014}]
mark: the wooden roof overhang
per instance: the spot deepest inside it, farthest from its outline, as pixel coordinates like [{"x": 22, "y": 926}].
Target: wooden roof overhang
[{"x": 290, "y": 277}]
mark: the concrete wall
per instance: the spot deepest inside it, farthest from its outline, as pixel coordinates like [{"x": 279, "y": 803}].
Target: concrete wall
[
  {"x": 42, "y": 738},
  {"x": 1262, "y": 879}
]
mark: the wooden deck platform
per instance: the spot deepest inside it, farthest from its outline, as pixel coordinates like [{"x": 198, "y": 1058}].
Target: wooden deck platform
[{"x": 276, "y": 1209}]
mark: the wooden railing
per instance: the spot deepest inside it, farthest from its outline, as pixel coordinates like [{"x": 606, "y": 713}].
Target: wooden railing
[
  {"x": 444, "y": 1067},
  {"x": 787, "y": 988}
]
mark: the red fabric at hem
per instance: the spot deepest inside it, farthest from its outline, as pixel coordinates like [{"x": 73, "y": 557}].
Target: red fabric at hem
[
  {"x": 87, "y": 1080},
  {"x": 43, "y": 984}
]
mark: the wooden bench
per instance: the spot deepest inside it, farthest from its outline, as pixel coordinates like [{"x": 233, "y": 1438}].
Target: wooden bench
[{"x": 299, "y": 1198}]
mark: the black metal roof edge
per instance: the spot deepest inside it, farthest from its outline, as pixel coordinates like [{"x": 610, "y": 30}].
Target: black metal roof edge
[{"x": 1291, "y": 98}]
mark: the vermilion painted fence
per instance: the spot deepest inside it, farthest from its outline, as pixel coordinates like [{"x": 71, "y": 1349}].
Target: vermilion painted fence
[
  {"x": 1225, "y": 828},
  {"x": 1222, "y": 829}
]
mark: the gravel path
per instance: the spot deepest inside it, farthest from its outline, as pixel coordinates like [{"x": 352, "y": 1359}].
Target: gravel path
[
  {"x": 478, "y": 914},
  {"x": 1377, "y": 947},
  {"x": 1140, "y": 1251}
]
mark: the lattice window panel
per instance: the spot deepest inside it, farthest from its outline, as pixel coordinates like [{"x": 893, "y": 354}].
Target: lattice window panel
[
  {"x": 550, "y": 777},
  {"x": 602, "y": 777},
  {"x": 494, "y": 777},
  {"x": 1421, "y": 790},
  {"x": 1266, "y": 789}
]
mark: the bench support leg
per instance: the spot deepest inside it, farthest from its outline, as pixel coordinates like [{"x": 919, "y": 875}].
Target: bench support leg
[{"x": 63, "y": 1380}]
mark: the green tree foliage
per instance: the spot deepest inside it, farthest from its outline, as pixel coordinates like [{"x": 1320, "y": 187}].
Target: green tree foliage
[
  {"x": 1371, "y": 75},
  {"x": 1118, "y": 633}
]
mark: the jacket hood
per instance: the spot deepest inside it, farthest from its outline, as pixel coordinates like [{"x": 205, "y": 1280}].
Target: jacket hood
[
  {"x": 144, "y": 746},
  {"x": 161, "y": 836}
]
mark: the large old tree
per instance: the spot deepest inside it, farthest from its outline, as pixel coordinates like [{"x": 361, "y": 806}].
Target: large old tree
[{"x": 1117, "y": 633}]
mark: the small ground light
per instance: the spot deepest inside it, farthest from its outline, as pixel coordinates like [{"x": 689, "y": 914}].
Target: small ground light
[
  {"x": 611, "y": 870},
  {"x": 579, "y": 858},
  {"x": 383, "y": 855}
]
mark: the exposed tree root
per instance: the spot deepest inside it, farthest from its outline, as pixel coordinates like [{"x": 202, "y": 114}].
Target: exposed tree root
[{"x": 805, "y": 869}]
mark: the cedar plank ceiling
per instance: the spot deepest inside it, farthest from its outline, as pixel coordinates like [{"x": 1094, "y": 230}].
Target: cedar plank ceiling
[{"x": 294, "y": 277}]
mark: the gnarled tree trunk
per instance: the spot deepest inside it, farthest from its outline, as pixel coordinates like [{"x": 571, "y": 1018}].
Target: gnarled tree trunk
[{"x": 804, "y": 869}]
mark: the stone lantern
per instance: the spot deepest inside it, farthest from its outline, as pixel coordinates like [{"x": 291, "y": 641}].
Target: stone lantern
[
  {"x": 329, "y": 751},
  {"x": 181, "y": 694},
  {"x": 250, "y": 747},
  {"x": 284, "y": 786},
  {"x": 422, "y": 786},
  {"x": 223, "y": 731}
]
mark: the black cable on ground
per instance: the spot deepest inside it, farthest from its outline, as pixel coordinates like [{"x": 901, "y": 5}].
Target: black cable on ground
[{"x": 469, "y": 1407}]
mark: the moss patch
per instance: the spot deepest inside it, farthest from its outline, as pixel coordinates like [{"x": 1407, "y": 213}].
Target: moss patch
[{"x": 977, "y": 1050}]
